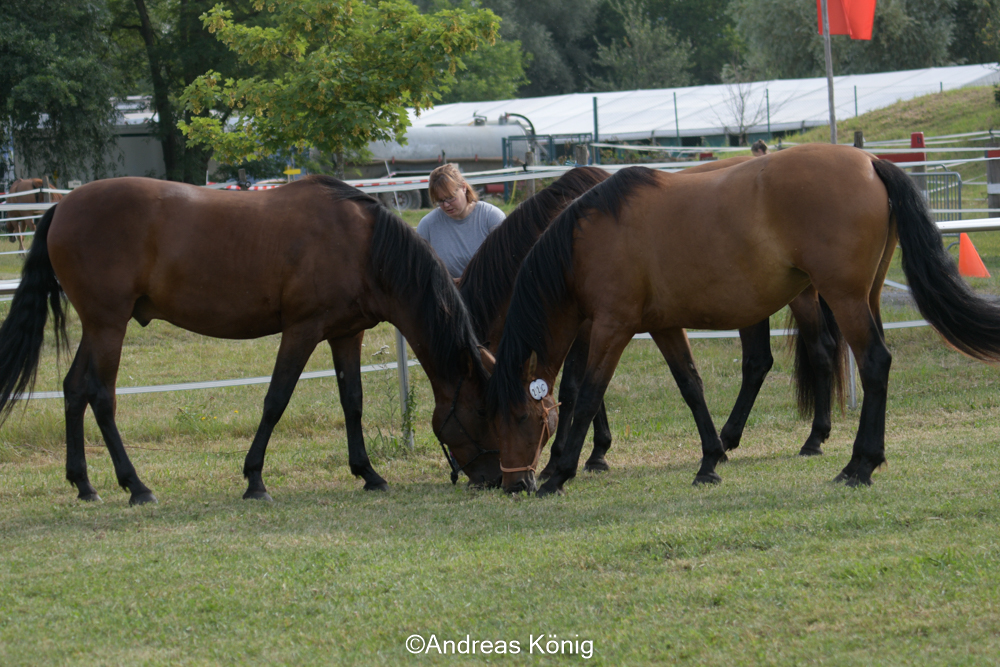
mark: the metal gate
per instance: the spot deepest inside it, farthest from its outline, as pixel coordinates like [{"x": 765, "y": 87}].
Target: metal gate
[
  {"x": 943, "y": 190},
  {"x": 548, "y": 148}
]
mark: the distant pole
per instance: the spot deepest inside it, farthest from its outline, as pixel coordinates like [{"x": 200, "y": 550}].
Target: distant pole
[
  {"x": 855, "y": 101},
  {"x": 767, "y": 97},
  {"x": 993, "y": 174},
  {"x": 597, "y": 151},
  {"x": 677, "y": 122},
  {"x": 403, "y": 370},
  {"x": 828, "y": 53},
  {"x": 529, "y": 161}
]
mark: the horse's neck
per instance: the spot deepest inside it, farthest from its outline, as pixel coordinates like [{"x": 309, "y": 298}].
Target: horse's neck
[{"x": 405, "y": 317}]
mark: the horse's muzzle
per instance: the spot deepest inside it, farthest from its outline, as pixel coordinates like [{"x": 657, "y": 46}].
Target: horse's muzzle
[{"x": 522, "y": 482}]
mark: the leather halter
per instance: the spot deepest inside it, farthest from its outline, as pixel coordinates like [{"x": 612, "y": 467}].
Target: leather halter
[
  {"x": 541, "y": 441},
  {"x": 455, "y": 468}
]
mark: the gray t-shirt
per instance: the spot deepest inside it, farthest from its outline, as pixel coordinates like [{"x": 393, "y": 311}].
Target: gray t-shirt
[{"x": 456, "y": 241}]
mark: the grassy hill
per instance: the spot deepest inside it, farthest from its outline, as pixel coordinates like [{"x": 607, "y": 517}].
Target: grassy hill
[{"x": 950, "y": 112}]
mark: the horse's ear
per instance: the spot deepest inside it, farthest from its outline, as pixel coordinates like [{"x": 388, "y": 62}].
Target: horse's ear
[
  {"x": 532, "y": 365},
  {"x": 489, "y": 362}
]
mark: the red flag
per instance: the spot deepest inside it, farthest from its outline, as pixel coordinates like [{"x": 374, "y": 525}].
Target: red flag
[{"x": 848, "y": 17}]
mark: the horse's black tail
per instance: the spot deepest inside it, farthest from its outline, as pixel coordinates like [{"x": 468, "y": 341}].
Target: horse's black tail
[
  {"x": 966, "y": 320},
  {"x": 23, "y": 331},
  {"x": 805, "y": 372}
]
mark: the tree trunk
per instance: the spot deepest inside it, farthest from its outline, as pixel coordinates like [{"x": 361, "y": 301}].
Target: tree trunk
[{"x": 173, "y": 148}]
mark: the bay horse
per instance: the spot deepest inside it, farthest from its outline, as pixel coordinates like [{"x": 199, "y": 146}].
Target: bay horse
[
  {"x": 488, "y": 282},
  {"x": 19, "y": 227},
  {"x": 315, "y": 260},
  {"x": 816, "y": 215}
]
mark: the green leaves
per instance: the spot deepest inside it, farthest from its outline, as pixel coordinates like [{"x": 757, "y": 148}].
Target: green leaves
[
  {"x": 650, "y": 55},
  {"x": 347, "y": 73}
]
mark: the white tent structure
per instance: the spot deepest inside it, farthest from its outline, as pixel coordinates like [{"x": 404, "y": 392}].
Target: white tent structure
[{"x": 717, "y": 110}]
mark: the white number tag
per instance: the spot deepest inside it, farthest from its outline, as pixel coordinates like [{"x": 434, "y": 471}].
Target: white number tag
[{"x": 538, "y": 389}]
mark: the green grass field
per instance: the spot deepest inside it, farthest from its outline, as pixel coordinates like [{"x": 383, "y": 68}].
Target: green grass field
[{"x": 776, "y": 565}]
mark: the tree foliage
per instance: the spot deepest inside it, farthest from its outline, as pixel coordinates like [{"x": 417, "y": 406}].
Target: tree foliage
[
  {"x": 173, "y": 48},
  {"x": 557, "y": 35},
  {"x": 57, "y": 86},
  {"x": 650, "y": 55},
  {"x": 350, "y": 71},
  {"x": 494, "y": 71},
  {"x": 782, "y": 41}
]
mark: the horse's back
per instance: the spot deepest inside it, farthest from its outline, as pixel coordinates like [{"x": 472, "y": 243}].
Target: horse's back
[
  {"x": 741, "y": 236},
  {"x": 223, "y": 263}
]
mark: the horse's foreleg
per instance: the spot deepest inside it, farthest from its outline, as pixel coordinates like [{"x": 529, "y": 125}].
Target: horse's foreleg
[
  {"x": 602, "y": 442},
  {"x": 573, "y": 369},
  {"x": 606, "y": 347},
  {"x": 757, "y": 361},
  {"x": 347, "y": 361},
  {"x": 293, "y": 353},
  {"x": 861, "y": 330},
  {"x": 101, "y": 369},
  {"x": 75, "y": 393},
  {"x": 569, "y": 387},
  {"x": 676, "y": 349}
]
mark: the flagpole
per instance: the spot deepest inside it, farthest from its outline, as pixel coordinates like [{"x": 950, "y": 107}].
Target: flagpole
[{"x": 828, "y": 53}]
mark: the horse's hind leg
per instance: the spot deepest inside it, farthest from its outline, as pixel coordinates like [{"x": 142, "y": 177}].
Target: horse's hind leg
[
  {"x": 97, "y": 361},
  {"x": 676, "y": 349},
  {"x": 757, "y": 361},
  {"x": 75, "y": 392},
  {"x": 862, "y": 331},
  {"x": 347, "y": 362},
  {"x": 817, "y": 362},
  {"x": 293, "y": 353}
]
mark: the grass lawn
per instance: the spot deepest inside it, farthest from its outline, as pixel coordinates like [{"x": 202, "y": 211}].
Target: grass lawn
[{"x": 774, "y": 566}]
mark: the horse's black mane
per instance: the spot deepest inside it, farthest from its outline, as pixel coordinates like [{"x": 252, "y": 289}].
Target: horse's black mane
[
  {"x": 488, "y": 279},
  {"x": 541, "y": 286},
  {"x": 405, "y": 267}
]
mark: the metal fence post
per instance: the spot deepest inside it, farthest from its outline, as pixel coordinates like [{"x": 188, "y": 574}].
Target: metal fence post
[
  {"x": 403, "y": 369},
  {"x": 529, "y": 161},
  {"x": 852, "y": 368},
  {"x": 597, "y": 151},
  {"x": 993, "y": 175}
]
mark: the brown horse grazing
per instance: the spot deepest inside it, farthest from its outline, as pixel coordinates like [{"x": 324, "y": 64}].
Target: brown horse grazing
[
  {"x": 314, "y": 260},
  {"x": 19, "y": 227},
  {"x": 488, "y": 283},
  {"x": 826, "y": 216}
]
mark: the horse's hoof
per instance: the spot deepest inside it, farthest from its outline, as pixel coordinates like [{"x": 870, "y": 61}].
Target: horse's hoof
[
  {"x": 258, "y": 495},
  {"x": 810, "y": 451},
  {"x": 549, "y": 490},
  {"x": 855, "y": 482},
  {"x": 143, "y": 498},
  {"x": 89, "y": 497},
  {"x": 708, "y": 478},
  {"x": 545, "y": 474},
  {"x": 600, "y": 465},
  {"x": 376, "y": 486},
  {"x": 723, "y": 458}
]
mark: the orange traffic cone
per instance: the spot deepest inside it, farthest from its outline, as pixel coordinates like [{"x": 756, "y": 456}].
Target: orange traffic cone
[{"x": 969, "y": 263}]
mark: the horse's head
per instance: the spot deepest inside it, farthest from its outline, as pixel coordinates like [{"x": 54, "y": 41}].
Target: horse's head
[
  {"x": 523, "y": 431},
  {"x": 462, "y": 426}
]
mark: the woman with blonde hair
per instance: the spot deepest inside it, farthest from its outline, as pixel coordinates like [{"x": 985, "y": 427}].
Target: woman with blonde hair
[{"x": 459, "y": 222}]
